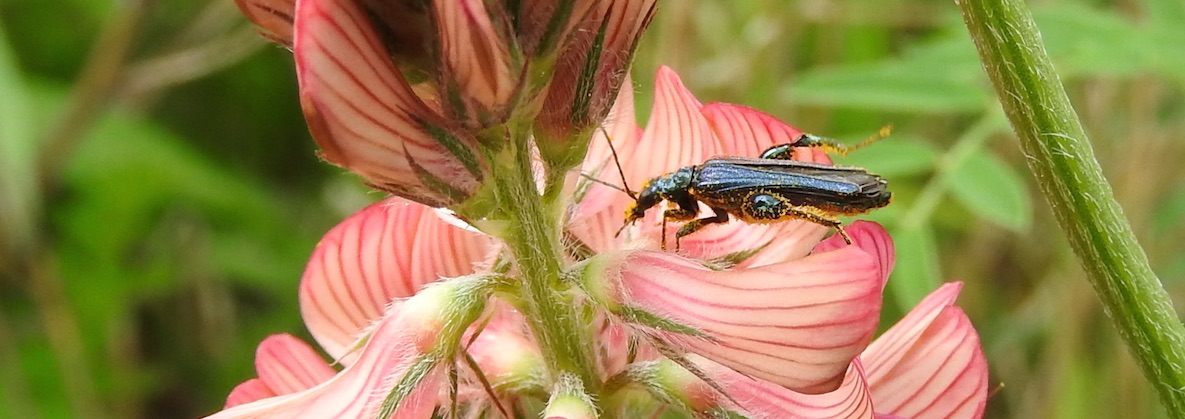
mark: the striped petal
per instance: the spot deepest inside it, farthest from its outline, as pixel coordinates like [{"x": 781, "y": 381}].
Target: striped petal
[
  {"x": 274, "y": 18},
  {"x": 870, "y": 235},
  {"x": 249, "y": 391},
  {"x": 797, "y": 324},
  {"x": 285, "y": 365},
  {"x": 365, "y": 116},
  {"x": 745, "y": 131},
  {"x": 777, "y": 242},
  {"x": 288, "y": 364},
  {"x": 677, "y": 134},
  {"x": 404, "y": 334},
  {"x": 762, "y": 399},
  {"x": 477, "y": 60},
  {"x": 931, "y": 363},
  {"x": 387, "y": 250}
]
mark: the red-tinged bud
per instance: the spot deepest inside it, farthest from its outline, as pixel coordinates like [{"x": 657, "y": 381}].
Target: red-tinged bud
[
  {"x": 406, "y": 93},
  {"x": 545, "y": 25},
  {"x": 590, "y": 71},
  {"x": 480, "y": 64},
  {"x": 365, "y": 115}
]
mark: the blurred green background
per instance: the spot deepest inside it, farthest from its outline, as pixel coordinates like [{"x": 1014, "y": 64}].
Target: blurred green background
[{"x": 159, "y": 193}]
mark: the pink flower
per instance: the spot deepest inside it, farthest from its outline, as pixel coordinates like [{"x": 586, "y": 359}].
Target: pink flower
[
  {"x": 775, "y": 319},
  {"x": 795, "y": 323}
]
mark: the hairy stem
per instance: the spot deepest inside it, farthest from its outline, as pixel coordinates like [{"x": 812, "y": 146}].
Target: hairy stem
[
  {"x": 534, "y": 238},
  {"x": 1061, "y": 158}
]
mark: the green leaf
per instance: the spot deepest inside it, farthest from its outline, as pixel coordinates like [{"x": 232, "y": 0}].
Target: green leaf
[
  {"x": 1163, "y": 51},
  {"x": 1165, "y": 14},
  {"x": 1083, "y": 41},
  {"x": 893, "y": 87},
  {"x": 992, "y": 190},
  {"x": 893, "y": 156},
  {"x": 916, "y": 272}
]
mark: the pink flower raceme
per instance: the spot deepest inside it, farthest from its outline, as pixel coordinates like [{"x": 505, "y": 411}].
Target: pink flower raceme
[
  {"x": 784, "y": 331},
  {"x": 405, "y": 93}
]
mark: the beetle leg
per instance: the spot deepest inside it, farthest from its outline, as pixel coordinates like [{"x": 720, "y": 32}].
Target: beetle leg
[
  {"x": 819, "y": 217},
  {"x": 677, "y": 213},
  {"x": 692, "y": 226},
  {"x": 786, "y": 151}
]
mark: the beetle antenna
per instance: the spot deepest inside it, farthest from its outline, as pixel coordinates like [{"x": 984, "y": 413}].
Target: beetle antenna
[
  {"x": 607, "y": 184},
  {"x": 835, "y": 147},
  {"x": 882, "y": 133},
  {"x": 617, "y": 161}
]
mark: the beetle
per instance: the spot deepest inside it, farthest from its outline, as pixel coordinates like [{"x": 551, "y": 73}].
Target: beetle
[{"x": 767, "y": 189}]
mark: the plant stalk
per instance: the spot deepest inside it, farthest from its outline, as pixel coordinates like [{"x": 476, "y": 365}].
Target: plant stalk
[
  {"x": 1061, "y": 158},
  {"x": 534, "y": 238}
]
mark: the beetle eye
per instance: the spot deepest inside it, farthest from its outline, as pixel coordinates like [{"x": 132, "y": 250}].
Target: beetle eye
[{"x": 766, "y": 204}]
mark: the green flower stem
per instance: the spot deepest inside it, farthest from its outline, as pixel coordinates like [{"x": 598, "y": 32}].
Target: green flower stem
[
  {"x": 533, "y": 235},
  {"x": 1061, "y": 158}
]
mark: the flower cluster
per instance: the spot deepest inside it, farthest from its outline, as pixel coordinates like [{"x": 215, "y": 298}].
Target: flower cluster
[{"x": 570, "y": 318}]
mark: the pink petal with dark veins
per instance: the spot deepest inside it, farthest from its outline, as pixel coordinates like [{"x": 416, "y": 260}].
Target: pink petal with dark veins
[
  {"x": 931, "y": 363},
  {"x": 387, "y": 250}
]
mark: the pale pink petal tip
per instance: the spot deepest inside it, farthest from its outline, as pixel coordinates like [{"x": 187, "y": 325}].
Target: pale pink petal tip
[
  {"x": 249, "y": 391},
  {"x": 285, "y": 364},
  {"x": 677, "y": 134},
  {"x": 745, "y": 131},
  {"x": 288, "y": 364},
  {"x": 399, "y": 339},
  {"x": 931, "y": 364}
]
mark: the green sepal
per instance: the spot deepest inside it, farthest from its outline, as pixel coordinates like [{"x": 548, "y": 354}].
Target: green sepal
[
  {"x": 411, "y": 379},
  {"x": 464, "y": 299},
  {"x": 640, "y": 316},
  {"x": 729, "y": 260},
  {"x": 455, "y": 146},
  {"x": 675, "y": 356},
  {"x": 447, "y": 192}
]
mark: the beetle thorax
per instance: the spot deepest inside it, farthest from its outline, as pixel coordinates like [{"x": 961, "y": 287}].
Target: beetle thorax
[{"x": 674, "y": 183}]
